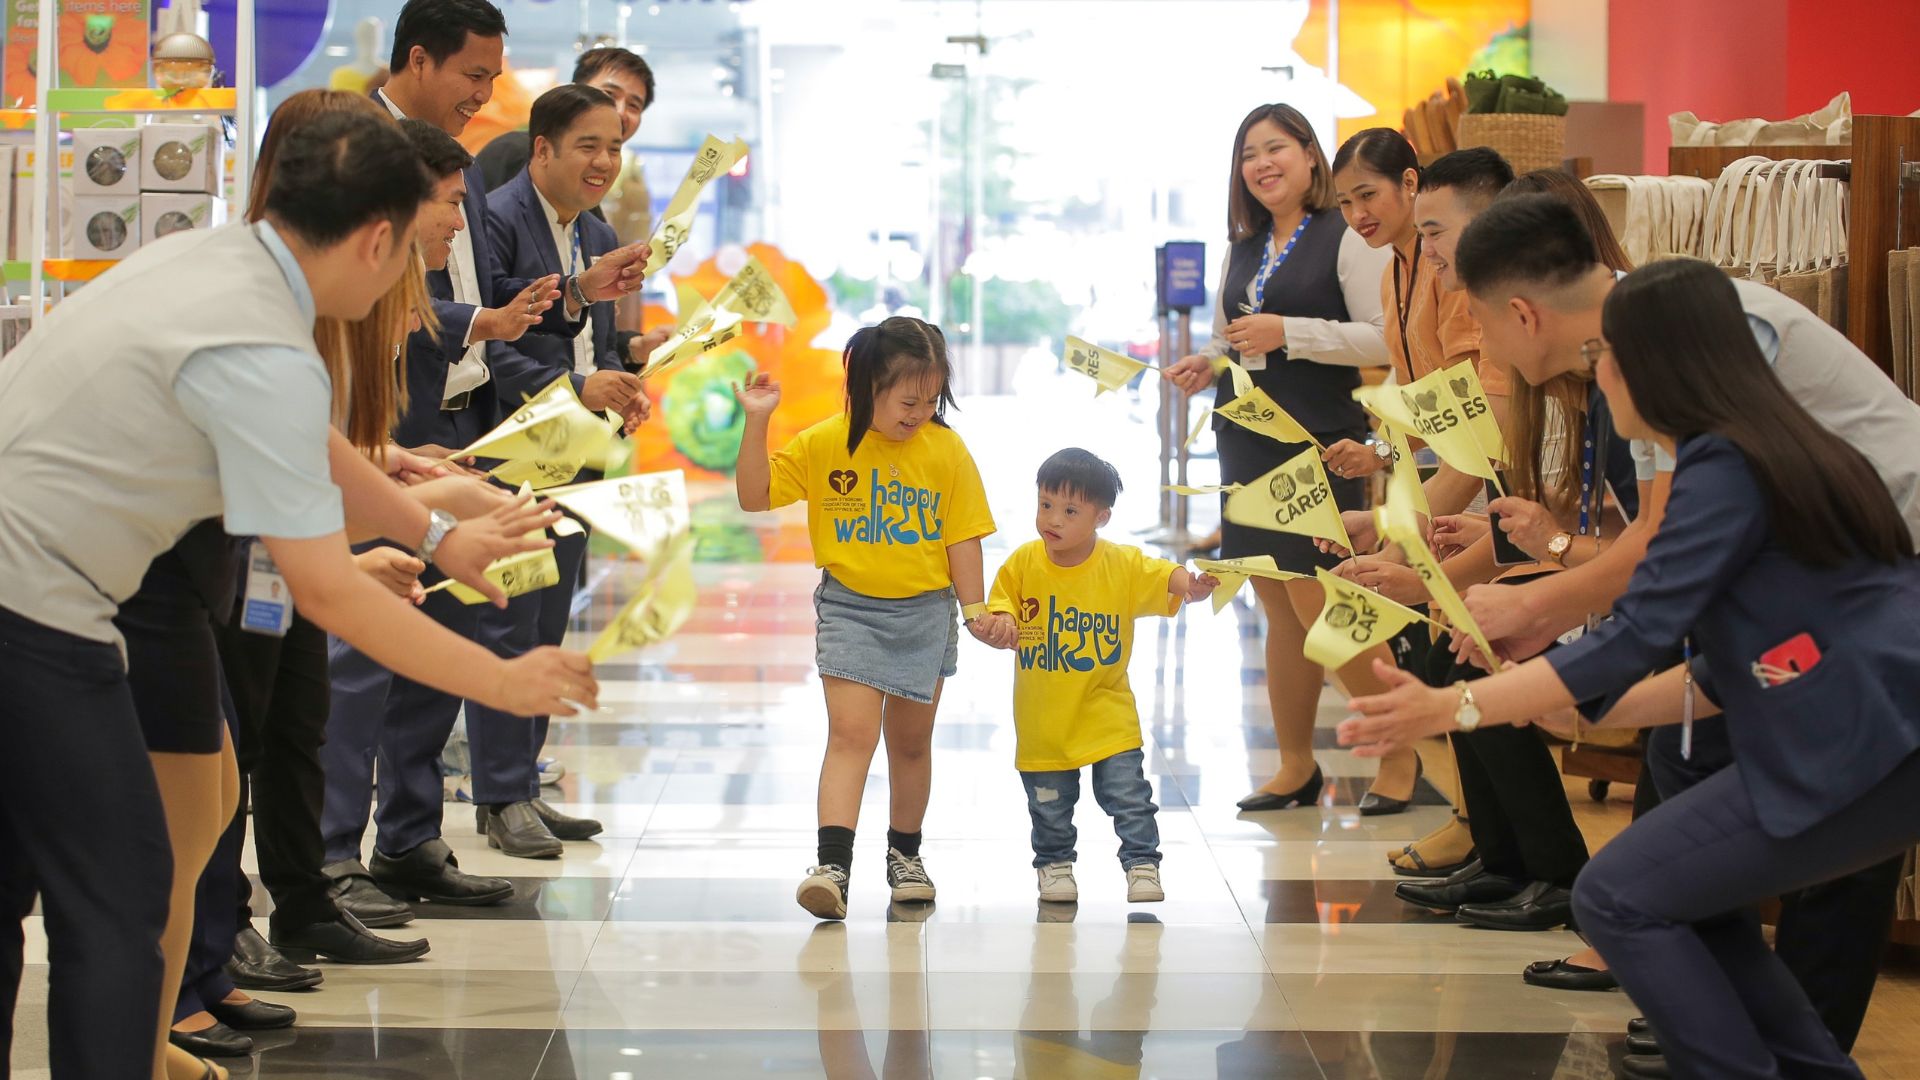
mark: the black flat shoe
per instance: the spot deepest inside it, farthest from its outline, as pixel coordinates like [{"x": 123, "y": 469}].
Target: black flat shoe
[
  {"x": 345, "y": 941},
  {"x": 1637, "y": 1067},
  {"x": 216, "y": 1041},
  {"x": 355, "y": 892},
  {"x": 1372, "y": 805},
  {"x": 1644, "y": 1045},
  {"x": 430, "y": 872},
  {"x": 255, "y": 1015},
  {"x": 1539, "y": 906},
  {"x": 1561, "y": 975},
  {"x": 257, "y": 965},
  {"x": 1307, "y": 795}
]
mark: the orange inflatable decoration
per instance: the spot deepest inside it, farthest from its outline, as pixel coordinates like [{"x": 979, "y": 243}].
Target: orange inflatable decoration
[
  {"x": 506, "y": 111},
  {"x": 102, "y": 50}
]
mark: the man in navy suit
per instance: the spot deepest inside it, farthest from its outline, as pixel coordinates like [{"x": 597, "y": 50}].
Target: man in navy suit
[{"x": 541, "y": 225}]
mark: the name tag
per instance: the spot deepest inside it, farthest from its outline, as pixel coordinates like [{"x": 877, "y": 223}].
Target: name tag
[
  {"x": 1254, "y": 361},
  {"x": 268, "y": 607}
]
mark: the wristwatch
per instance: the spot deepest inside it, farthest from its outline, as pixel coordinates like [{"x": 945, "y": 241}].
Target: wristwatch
[
  {"x": 579, "y": 294},
  {"x": 1383, "y": 451},
  {"x": 439, "y": 524},
  {"x": 1467, "y": 717},
  {"x": 1558, "y": 546}
]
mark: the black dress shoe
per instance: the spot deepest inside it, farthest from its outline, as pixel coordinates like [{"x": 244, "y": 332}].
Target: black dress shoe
[
  {"x": 355, "y": 892},
  {"x": 255, "y": 1015},
  {"x": 1644, "y": 1045},
  {"x": 1560, "y": 975},
  {"x": 565, "y": 827},
  {"x": 1372, "y": 805},
  {"x": 430, "y": 872},
  {"x": 1539, "y": 906},
  {"x": 1639, "y": 1025},
  {"x": 1307, "y": 795},
  {"x": 1636, "y": 1067},
  {"x": 1477, "y": 887},
  {"x": 256, "y": 965},
  {"x": 216, "y": 1041},
  {"x": 345, "y": 941},
  {"x": 516, "y": 829}
]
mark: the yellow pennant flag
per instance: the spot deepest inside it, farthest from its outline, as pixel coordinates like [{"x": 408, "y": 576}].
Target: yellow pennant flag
[
  {"x": 1427, "y": 409},
  {"x": 1294, "y": 498},
  {"x": 551, "y": 427},
  {"x": 516, "y": 575},
  {"x": 751, "y": 295},
  {"x": 1353, "y": 620},
  {"x": 643, "y": 511},
  {"x": 1234, "y": 573},
  {"x": 1110, "y": 369},
  {"x": 539, "y": 475},
  {"x": 1204, "y": 489},
  {"x": 1406, "y": 499},
  {"x": 1257, "y": 412},
  {"x": 1198, "y": 426},
  {"x": 1439, "y": 589},
  {"x": 1242, "y": 382},
  {"x": 1464, "y": 382},
  {"x": 662, "y": 605},
  {"x": 676, "y": 224}
]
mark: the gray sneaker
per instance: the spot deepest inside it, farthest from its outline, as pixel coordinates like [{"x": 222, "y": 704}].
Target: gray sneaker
[
  {"x": 824, "y": 893},
  {"x": 907, "y": 876},
  {"x": 1056, "y": 883},
  {"x": 1143, "y": 884}
]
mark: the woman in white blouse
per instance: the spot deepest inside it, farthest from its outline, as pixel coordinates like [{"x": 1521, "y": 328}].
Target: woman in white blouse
[{"x": 1306, "y": 291}]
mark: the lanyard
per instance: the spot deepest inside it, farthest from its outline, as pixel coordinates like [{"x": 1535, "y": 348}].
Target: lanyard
[
  {"x": 1589, "y": 456},
  {"x": 1269, "y": 265},
  {"x": 1686, "y": 708},
  {"x": 573, "y": 233},
  {"x": 1402, "y": 308}
]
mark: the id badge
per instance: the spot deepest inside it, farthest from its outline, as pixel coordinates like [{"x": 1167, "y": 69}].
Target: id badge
[{"x": 268, "y": 607}]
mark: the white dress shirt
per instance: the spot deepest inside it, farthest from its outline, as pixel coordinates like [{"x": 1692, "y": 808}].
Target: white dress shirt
[
  {"x": 1359, "y": 342},
  {"x": 573, "y": 261}
]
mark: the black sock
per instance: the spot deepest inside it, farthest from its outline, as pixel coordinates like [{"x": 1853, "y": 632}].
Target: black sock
[
  {"x": 836, "y": 846},
  {"x": 906, "y": 843}
]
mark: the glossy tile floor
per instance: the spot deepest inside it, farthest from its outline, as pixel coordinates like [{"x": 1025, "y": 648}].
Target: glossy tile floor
[{"x": 672, "y": 947}]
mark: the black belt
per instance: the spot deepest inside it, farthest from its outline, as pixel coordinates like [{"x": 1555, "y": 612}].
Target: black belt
[{"x": 457, "y": 402}]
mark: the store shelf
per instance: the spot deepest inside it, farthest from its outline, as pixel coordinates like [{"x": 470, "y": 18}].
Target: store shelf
[{"x": 142, "y": 100}]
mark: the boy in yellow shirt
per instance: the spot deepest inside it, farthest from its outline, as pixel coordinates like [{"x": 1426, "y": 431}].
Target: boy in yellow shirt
[{"x": 1065, "y": 604}]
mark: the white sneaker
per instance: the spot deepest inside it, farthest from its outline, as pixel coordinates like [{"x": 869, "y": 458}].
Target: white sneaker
[
  {"x": 1057, "y": 884},
  {"x": 550, "y": 770},
  {"x": 1143, "y": 884},
  {"x": 907, "y": 876},
  {"x": 824, "y": 893}
]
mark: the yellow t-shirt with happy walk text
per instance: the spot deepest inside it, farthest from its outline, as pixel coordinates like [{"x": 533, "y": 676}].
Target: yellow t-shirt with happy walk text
[
  {"x": 1072, "y": 705},
  {"x": 881, "y": 518}
]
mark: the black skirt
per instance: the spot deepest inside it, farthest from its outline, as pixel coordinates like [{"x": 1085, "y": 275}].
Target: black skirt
[
  {"x": 1245, "y": 457},
  {"x": 173, "y": 668}
]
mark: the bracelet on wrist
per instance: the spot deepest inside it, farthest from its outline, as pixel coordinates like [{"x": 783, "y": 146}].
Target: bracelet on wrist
[{"x": 970, "y": 612}]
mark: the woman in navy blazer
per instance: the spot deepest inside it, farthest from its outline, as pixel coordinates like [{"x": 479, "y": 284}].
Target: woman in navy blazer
[{"x": 1778, "y": 534}]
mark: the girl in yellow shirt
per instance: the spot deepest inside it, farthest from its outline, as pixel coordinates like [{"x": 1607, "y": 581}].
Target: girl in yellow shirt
[{"x": 895, "y": 510}]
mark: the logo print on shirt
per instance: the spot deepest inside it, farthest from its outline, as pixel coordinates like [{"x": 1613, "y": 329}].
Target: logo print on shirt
[
  {"x": 1072, "y": 640},
  {"x": 896, "y": 513},
  {"x": 842, "y": 480},
  {"x": 1029, "y": 608}
]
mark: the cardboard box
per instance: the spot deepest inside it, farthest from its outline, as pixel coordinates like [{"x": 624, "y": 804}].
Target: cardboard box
[
  {"x": 181, "y": 157},
  {"x": 21, "y": 246},
  {"x": 103, "y": 43},
  {"x": 106, "y": 161},
  {"x": 105, "y": 227},
  {"x": 161, "y": 214}
]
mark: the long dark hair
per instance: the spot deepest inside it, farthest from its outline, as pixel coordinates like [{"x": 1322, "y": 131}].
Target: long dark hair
[
  {"x": 1381, "y": 151},
  {"x": 1690, "y": 361},
  {"x": 879, "y": 357},
  {"x": 1245, "y": 216}
]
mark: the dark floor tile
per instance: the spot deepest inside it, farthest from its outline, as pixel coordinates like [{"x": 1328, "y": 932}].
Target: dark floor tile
[
  {"x": 395, "y": 1054},
  {"x": 1330, "y": 901},
  {"x": 1426, "y": 1055}
]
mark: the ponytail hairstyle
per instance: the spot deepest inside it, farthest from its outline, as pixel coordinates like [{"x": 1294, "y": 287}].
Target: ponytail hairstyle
[
  {"x": 880, "y": 357},
  {"x": 1690, "y": 363}
]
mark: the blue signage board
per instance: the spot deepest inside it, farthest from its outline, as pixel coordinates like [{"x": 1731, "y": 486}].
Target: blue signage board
[{"x": 1182, "y": 276}]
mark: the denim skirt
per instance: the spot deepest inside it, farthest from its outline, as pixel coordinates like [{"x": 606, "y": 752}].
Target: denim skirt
[{"x": 900, "y": 647}]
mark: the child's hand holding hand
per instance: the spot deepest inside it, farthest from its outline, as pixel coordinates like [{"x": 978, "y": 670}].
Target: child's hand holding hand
[
  {"x": 759, "y": 396},
  {"x": 1201, "y": 586},
  {"x": 995, "y": 630}
]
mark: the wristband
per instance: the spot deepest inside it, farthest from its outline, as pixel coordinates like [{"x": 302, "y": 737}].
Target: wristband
[
  {"x": 971, "y": 612},
  {"x": 579, "y": 294}
]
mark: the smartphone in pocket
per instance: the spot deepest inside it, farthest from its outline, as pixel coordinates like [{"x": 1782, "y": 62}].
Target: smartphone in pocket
[{"x": 1505, "y": 551}]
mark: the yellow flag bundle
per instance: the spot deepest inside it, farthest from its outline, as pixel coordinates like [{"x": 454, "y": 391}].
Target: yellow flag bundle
[
  {"x": 1234, "y": 573},
  {"x": 1439, "y": 588},
  {"x": 1257, "y": 412},
  {"x": 551, "y": 436},
  {"x": 1464, "y": 382},
  {"x": 676, "y": 224},
  {"x": 1110, "y": 369},
  {"x": 643, "y": 512},
  {"x": 1427, "y": 408},
  {"x": 751, "y": 295},
  {"x": 1294, "y": 498},
  {"x": 662, "y": 605},
  {"x": 516, "y": 575},
  {"x": 1406, "y": 500},
  {"x": 1353, "y": 620}
]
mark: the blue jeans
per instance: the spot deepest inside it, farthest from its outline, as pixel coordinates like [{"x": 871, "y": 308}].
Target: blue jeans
[{"x": 1119, "y": 786}]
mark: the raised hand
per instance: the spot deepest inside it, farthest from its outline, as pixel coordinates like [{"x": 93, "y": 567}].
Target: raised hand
[
  {"x": 618, "y": 273},
  {"x": 547, "y": 682},
  {"x": 466, "y": 552},
  {"x": 516, "y": 316},
  {"x": 1191, "y": 374},
  {"x": 759, "y": 396}
]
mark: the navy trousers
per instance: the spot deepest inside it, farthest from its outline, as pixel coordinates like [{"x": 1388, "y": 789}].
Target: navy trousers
[
  {"x": 376, "y": 715},
  {"x": 1831, "y": 935},
  {"x": 505, "y": 749},
  {"x": 100, "y": 859},
  {"x": 1669, "y": 903}
]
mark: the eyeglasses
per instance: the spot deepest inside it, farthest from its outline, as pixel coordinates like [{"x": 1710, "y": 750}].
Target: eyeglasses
[{"x": 1591, "y": 349}]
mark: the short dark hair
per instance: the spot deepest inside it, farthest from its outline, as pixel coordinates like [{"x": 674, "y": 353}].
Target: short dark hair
[
  {"x": 1381, "y": 151},
  {"x": 556, "y": 110},
  {"x": 1077, "y": 473},
  {"x": 441, "y": 27},
  {"x": 879, "y": 357},
  {"x": 1536, "y": 239},
  {"x": 594, "y": 61},
  {"x": 440, "y": 152},
  {"x": 1478, "y": 173},
  {"x": 341, "y": 171}
]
